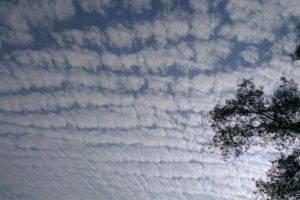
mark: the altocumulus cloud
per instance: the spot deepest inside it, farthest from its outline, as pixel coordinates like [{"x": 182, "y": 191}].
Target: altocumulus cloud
[{"x": 108, "y": 99}]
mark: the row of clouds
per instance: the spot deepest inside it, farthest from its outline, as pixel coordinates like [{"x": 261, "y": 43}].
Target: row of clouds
[
  {"x": 79, "y": 122},
  {"x": 248, "y": 22}
]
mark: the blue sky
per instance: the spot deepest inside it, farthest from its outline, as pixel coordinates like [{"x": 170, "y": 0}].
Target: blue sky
[{"x": 108, "y": 99}]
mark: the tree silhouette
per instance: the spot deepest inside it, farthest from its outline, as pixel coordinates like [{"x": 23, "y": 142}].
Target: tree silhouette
[
  {"x": 252, "y": 118},
  {"x": 283, "y": 179},
  {"x": 296, "y": 54}
]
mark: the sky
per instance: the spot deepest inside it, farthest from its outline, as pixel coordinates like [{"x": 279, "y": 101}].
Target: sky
[{"x": 109, "y": 99}]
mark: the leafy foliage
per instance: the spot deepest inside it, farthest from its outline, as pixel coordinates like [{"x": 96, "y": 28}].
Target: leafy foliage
[
  {"x": 283, "y": 179},
  {"x": 251, "y": 116},
  {"x": 296, "y": 54}
]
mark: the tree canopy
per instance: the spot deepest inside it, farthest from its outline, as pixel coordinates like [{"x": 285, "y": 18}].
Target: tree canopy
[
  {"x": 251, "y": 115},
  {"x": 296, "y": 54},
  {"x": 283, "y": 179},
  {"x": 253, "y": 118}
]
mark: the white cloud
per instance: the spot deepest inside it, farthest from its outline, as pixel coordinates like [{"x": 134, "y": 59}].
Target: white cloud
[
  {"x": 250, "y": 54},
  {"x": 285, "y": 45},
  {"x": 62, "y": 100},
  {"x": 26, "y": 78},
  {"x": 119, "y": 36},
  {"x": 239, "y": 10},
  {"x": 57, "y": 58},
  {"x": 209, "y": 53},
  {"x": 198, "y": 85},
  {"x": 152, "y": 58},
  {"x": 256, "y": 21},
  {"x": 27, "y": 14},
  {"x": 225, "y": 81},
  {"x": 15, "y": 38},
  {"x": 291, "y": 8},
  {"x": 173, "y": 28},
  {"x": 246, "y": 33},
  {"x": 138, "y": 5},
  {"x": 203, "y": 23},
  {"x": 143, "y": 30},
  {"x": 169, "y": 27},
  {"x": 79, "y": 38},
  {"x": 200, "y": 6},
  {"x": 95, "y": 6},
  {"x": 18, "y": 19},
  {"x": 203, "y": 26}
]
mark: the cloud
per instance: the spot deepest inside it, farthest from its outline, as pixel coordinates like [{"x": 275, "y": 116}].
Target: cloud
[
  {"x": 290, "y": 7},
  {"x": 285, "y": 45},
  {"x": 120, "y": 36},
  {"x": 134, "y": 6},
  {"x": 199, "y": 84},
  {"x": 29, "y": 78},
  {"x": 151, "y": 58},
  {"x": 208, "y": 54},
  {"x": 204, "y": 26},
  {"x": 19, "y": 19},
  {"x": 95, "y": 6},
  {"x": 255, "y": 21},
  {"x": 15, "y": 38},
  {"x": 203, "y": 22},
  {"x": 138, "y": 5},
  {"x": 166, "y": 27},
  {"x": 52, "y": 58},
  {"x": 250, "y": 54},
  {"x": 173, "y": 28},
  {"x": 75, "y": 38}
]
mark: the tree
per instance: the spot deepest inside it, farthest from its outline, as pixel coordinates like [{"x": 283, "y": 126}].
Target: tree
[
  {"x": 252, "y": 118},
  {"x": 296, "y": 54},
  {"x": 283, "y": 179}
]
